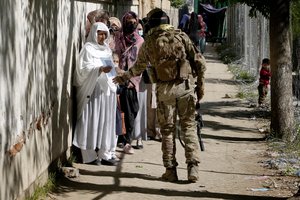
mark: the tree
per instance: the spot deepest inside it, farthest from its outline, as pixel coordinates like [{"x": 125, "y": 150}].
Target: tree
[
  {"x": 177, "y": 3},
  {"x": 282, "y": 114}
]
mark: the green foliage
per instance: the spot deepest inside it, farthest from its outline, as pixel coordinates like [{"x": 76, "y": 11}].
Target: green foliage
[
  {"x": 54, "y": 176},
  {"x": 241, "y": 95},
  {"x": 240, "y": 74},
  {"x": 41, "y": 192},
  {"x": 245, "y": 77},
  {"x": 226, "y": 53},
  {"x": 295, "y": 7},
  {"x": 246, "y": 95},
  {"x": 261, "y": 6},
  {"x": 177, "y": 3}
]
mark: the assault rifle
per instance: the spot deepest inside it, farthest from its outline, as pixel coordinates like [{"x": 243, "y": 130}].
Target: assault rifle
[{"x": 200, "y": 124}]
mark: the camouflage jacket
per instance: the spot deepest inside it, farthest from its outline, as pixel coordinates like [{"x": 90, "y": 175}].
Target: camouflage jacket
[{"x": 171, "y": 54}]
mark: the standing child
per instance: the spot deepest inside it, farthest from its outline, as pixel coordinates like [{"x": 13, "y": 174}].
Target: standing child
[
  {"x": 120, "y": 121},
  {"x": 264, "y": 81}
]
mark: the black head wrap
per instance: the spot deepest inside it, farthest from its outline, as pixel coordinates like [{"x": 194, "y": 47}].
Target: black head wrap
[{"x": 157, "y": 17}]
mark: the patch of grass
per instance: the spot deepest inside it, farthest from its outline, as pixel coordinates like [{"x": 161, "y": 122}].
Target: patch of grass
[
  {"x": 240, "y": 95},
  {"x": 41, "y": 192},
  {"x": 53, "y": 178},
  {"x": 240, "y": 74},
  {"x": 70, "y": 161},
  {"x": 226, "y": 53},
  {"x": 245, "y": 76},
  {"x": 245, "y": 95},
  {"x": 290, "y": 149},
  {"x": 289, "y": 171}
]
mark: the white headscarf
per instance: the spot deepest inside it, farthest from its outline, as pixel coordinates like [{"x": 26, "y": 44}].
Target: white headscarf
[
  {"x": 90, "y": 54},
  {"x": 87, "y": 67},
  {"x": 93, "y": 35}
]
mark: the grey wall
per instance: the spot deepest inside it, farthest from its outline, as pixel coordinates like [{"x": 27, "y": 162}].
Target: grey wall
[{"x": 39, "y": 43}]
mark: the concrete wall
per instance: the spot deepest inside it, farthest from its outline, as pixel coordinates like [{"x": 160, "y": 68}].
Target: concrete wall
[
  {"x": 142, "y": 7},
  {"x": 39, "y": 41}
]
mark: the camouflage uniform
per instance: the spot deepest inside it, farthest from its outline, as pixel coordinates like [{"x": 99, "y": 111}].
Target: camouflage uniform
[{"x": 171, "y": 54}]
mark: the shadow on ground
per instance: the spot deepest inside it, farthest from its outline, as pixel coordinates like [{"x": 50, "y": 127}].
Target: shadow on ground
[{"x": 67, "y": 185}]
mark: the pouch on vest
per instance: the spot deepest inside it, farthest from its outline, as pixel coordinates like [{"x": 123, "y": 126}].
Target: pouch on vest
[
  {"x": 167, "y": 70},
  {"x": 184, "y": 69}
]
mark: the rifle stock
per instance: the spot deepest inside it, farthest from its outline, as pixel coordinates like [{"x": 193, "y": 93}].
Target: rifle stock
[{"x": 199, "y": 126}]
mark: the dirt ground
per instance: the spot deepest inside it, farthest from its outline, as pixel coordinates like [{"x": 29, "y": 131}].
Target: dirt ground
[{"x": 231, "y": 165}]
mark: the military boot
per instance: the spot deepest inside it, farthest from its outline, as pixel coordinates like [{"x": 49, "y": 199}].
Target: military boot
[
  {"x": 193, "y": 172},
  {"x": 170, "y": 175}
]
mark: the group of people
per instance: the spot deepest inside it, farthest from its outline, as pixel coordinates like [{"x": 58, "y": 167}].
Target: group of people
[
  {"x": 141, "y": 71},
  {"x": 108, "y": 113},
  {"x": 195, "y": 27}
]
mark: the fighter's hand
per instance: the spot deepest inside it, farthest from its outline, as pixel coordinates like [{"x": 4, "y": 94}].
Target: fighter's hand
[
  {"x": 118, "y": 80},
  {"x": 119, "y": 71},
  {"x": 199, "y": 92}
]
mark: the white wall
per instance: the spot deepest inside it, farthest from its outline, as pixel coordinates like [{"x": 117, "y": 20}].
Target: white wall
[{"x": 39, "y": 43}]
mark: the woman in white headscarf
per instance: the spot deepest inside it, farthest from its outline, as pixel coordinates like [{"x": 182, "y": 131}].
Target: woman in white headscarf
[{"x": 96, "y": 99}]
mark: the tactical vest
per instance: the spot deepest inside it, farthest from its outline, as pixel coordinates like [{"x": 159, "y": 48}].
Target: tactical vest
[{"x": 167, "y": 55}]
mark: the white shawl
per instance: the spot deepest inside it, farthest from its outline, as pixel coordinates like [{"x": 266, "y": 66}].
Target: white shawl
[{"x": 91, "y": 58}]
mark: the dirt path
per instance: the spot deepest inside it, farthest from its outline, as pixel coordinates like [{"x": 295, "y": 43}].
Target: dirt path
[{"x": 230, "y": 167}]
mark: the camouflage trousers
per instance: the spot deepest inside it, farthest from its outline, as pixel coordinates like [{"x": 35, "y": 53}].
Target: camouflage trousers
[{"x": 167, "y": 114}]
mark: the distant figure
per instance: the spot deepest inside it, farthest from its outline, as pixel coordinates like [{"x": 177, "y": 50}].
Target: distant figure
[
  {"x": 193, "y": 29},
  {"x": 96, "y": 16},
  {"x": 197, "y": 31},
  {"x": 202, "y": 34},
  {"x": 140, "y": 28},
  {"x": 264, "y": 81},
  {"x": 184, "y": 23},
  {"x": 114, "y": 30}
]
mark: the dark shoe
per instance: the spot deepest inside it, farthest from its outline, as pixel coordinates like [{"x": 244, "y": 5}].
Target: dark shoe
[
  {"x": 139, "y": 144},
  {"x": 109, "y": 162},
  {"x": 170, "y": 175},
  {"x": 95, "y": 162},
  {"x": 116, "y": 159},
  {"x": 138, "y": 147},
  {"x": 120, "y": 145},
  {"x": 193, "y": 173}
]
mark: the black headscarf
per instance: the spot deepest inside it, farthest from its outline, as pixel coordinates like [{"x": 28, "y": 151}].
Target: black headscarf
[{"x": 157, "y": 17}]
